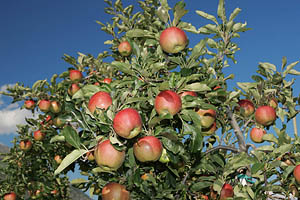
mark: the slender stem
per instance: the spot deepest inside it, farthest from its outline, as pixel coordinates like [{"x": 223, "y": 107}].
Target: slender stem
[
  {"x": 295, "y": 126},
  {"x": 228, "y": 148}
]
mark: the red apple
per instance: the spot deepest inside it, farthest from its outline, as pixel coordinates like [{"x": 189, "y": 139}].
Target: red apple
[
  {"x": 256, "y": 134},
  {"x": 147, "y": 148},
  {"x": 54, "y": 192},
  {"x": 209, "y": 131},
  {"x": 191, "y": 93},
  {"x": 29, "y": 104},
  {"x": 100, "y": 100},
  {"x": 55, "y": 107},
  {"x": 75, "y": 75},
  {"x": 167, "y": 102},
  {"x": 107, "y": 80},
  {"x": 115, "y": 191},
  {"x": 173, "y": 40},
  {"x": 207, "y": 117},
  {"x": 297, "y": 173},
  {"x": 204, "y": 197},
  {"x": 125, "y": 48},
  {"x": 247, "y": 106},
  {"x": 265, "y": 115},
  {"x": 273, "y": 103},
  {"x": 127, "y": 123},
  {"x": 10, "y": 196},
  {"x": 73, "y": 89},
  {"x": 25, "y": 145},
  {"x": 107, "y": 157},
  {"x": 57, "y": 159},
  {"x": 44, "y": 105},
  {"x": 97, "y": 83},
  {"x": 38, "y": 135},
  {"x": 226, "y": 191}
]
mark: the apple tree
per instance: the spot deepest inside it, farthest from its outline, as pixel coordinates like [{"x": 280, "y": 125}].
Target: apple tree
[{"x": 153, "y": 118}]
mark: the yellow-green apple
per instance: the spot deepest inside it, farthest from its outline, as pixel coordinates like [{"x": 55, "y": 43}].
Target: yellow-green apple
[
  {"x": 10, "y": 196},
  {"x": 246, "y": 107},
  {"x": 207, "y": 117},
  {"x": 38, "y": 135},
  {"x": 265, "y": 115},
  {"x": 25, "y": 145},
  {"x": 173, "y": 40},
  {"x": 125, "y": 48},
  {"x": 107, "y": 157},
  {"x": 273, "y": 103},
  {"x": 191, "y": 93},
  {"x": 100, "y": 100},
  {"x": 127, "y": 123},
  {"x": 256, "y": 134},
  {"x": 148, "y": 148},
  {"x": 29, "y": 104},
  {"x": 75, "y": 75},
  {"x": 209, "y": 131},
  {"x": 44, "y": 105},
  {"x": 55, "y": 107},
  {"x": 167, "y": 102},
  {"x": 90, "y": 155},
  {"x": 164, "y": 158},
  {"x": 226, "y": 192},
  {"x": 296, "y": 173},
  {"x": 107, "y": 80},
  {"x": 115, "y": 191},
  {"x": 58, "y": 122},
  {"x": 57, "y": 159},
  {"x": 73, "y": 89}
]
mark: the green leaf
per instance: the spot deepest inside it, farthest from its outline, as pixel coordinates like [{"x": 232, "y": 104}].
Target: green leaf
[
  {"x": 246, "y": 86},
  {"x": 53, "y": 79},
  {"x": 123, "y": 67},
  {"x": 207, "y": 16},
  {"x": 198, "y": 49},
  {"x": 200, "y": 185},
  {"x": 234, "y": 14},
  {"x": 78, "y": 181},
  {"x": 69, "y": 159},
  {"x": 197, "y": 87},
  {"x": 187, "y": 27},
  {"x": 289, "y": 68},
  {"x": 284, "y": 61},
  {"x": 132, "y": 162},
  {"x": 294, "y": 72},
  {"x": 179, "y": 12},
  {"x": 221, "y": 10},
  {"x": 139, "y": 33},
  {"x": 71, "y": 136},
  {"x": 270, "y": 138},
  {"x": 257, "y": 167},
  {"x": 58, "y": 138},
  {"x": 283, "y": 149},
  {"x": 162, "y": 13},
  {"x": 267, "y": 66}
]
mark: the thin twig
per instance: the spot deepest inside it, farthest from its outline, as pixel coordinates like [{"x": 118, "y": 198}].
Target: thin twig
[
  {"x": 295, "y": 126},
  {"x": 228, "y": 148}
]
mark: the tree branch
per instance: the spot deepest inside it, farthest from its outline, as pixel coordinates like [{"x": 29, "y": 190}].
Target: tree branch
[{"x": 228, "y": 148}]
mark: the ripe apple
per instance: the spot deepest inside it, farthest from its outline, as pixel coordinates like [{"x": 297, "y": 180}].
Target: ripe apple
[
  {"x": 147, "y": 148},
  {"x": 265, "y": 115},
  {"x": 173, "y": 40},
  {"x": 204, "y": 197},
  {"x": 247, "y": 106},
  {"x": 107, "y": 157},
  {"x": 167, "y": 102},
  {"x": 55, "y": 107},
  {"x": 38, "y": 135},
  {"x": 100, "y": 100},
  {"x": 75, "y": 75},
  {"x": 125, "y": 48},
  {"x": 57, "y": 159},
  {"x": 107, "y": 80},
  {"x": 127, "y": 123},
  {"x": 226, "y": 191},
  {"x": 73, "y": 89},
  {"x": 25, "y": 145},
  {"x": 191, "y": 93},
  {"x": 297, "y": 173},
  {"x": 210, "y": 130},
  {"x": 115, "y": 191},
  {"x": 29, "y": 104},
  {"x": 44, "y": 105},
  {"x": 273, "y": 103},
  {"x": 207, "y": 117},
  {"x": 10, "y": 196},
  {"x": 256, "y": 134}
]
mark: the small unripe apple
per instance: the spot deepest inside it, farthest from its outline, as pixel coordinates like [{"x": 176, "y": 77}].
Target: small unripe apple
[
  {"x": 167, "y": 102},
  {"x": 125, "y": 48},
  {"x": 44, "y": 105},
  {"x": 25, "y": 145},
  {"x": 226, "y": 191},
  {"x": 191, "y": 93},
  {"x": 209, "y": 131},
  {"x": 164, "y": 157},
  {"x": 247, "y": 106},
  {"x": 75, "y": 75},
  {"x": 265, "y": 115},
  {"x": 57, "y": 159},
  {"x": 100, "y": 100},
  {"x": 115, "y": 191},
  {"x": 107, "y": 157},
  {"x": 54, "y": 192},
  {"x": 107, "y": 80},
  {"x": 29, "y": 104},
  {"x": 38, "y": 135},
  {"x": 58, "y": 122},
  {"x": 207, "y": 117},
  {"x": 90, "y": 156},
  {"x": 147, "y": 148},
  {"x": 173, "y": 40},
  {"x": 127, "y": 123},
  {"x": 55, "y": 107},
  {"x": 257, "y": 134},
  {"x": 73, "y": 89},
  {"x": 273, "y": 103},
  {"x": 296, "y": 173},
  {"x": 10, "y": 196}
]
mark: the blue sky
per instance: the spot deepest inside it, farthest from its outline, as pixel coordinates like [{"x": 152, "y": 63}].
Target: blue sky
[{"x": 35, "y": 34}]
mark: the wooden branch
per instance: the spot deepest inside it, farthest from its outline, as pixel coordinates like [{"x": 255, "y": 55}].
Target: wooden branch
[
  {"x": 228, "y": 148},
  {"x": 295, "y": 126}
]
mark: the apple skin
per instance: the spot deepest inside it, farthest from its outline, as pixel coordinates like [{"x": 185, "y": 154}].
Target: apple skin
[
  {"x": 296, "y": 173},
  {"x": 226, "y": 191},
  {"x": 173, "y": 40},
  {"x": 55, "y": 107},
  {"x": 75, "y": 75},
  {"x": 147, "y": 148},
  {"x": 125, "y": 48},
  {"x": 25, "y": 145},
  {"x": 38, "y": 135},
  {"x": 58, "y": 122},
  {"x": 209, "y": 131},
  {"x": 107, "y": 80},
  {"x": 107, "y": 157},
  {"x": 100, "y": 100},
  {"x": 10, "y": 196},
  {"x": 29, "y": 104},
  {"x": 57, "y": 159},
  {"x": 256, "y": 134},
  {"x": 127, "y": 123},
  {"x": 248, "y": 107},
  {"x": 44, "y": 105},
  {"x": 115, "y": 191},
  {"x": 73, "y": 89},
  {"x": 207, "y": 117},
  {"x": 167, "y": 102},
  {"x": 265, "y": 115},
  {"x": 191, "y": 93}
]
